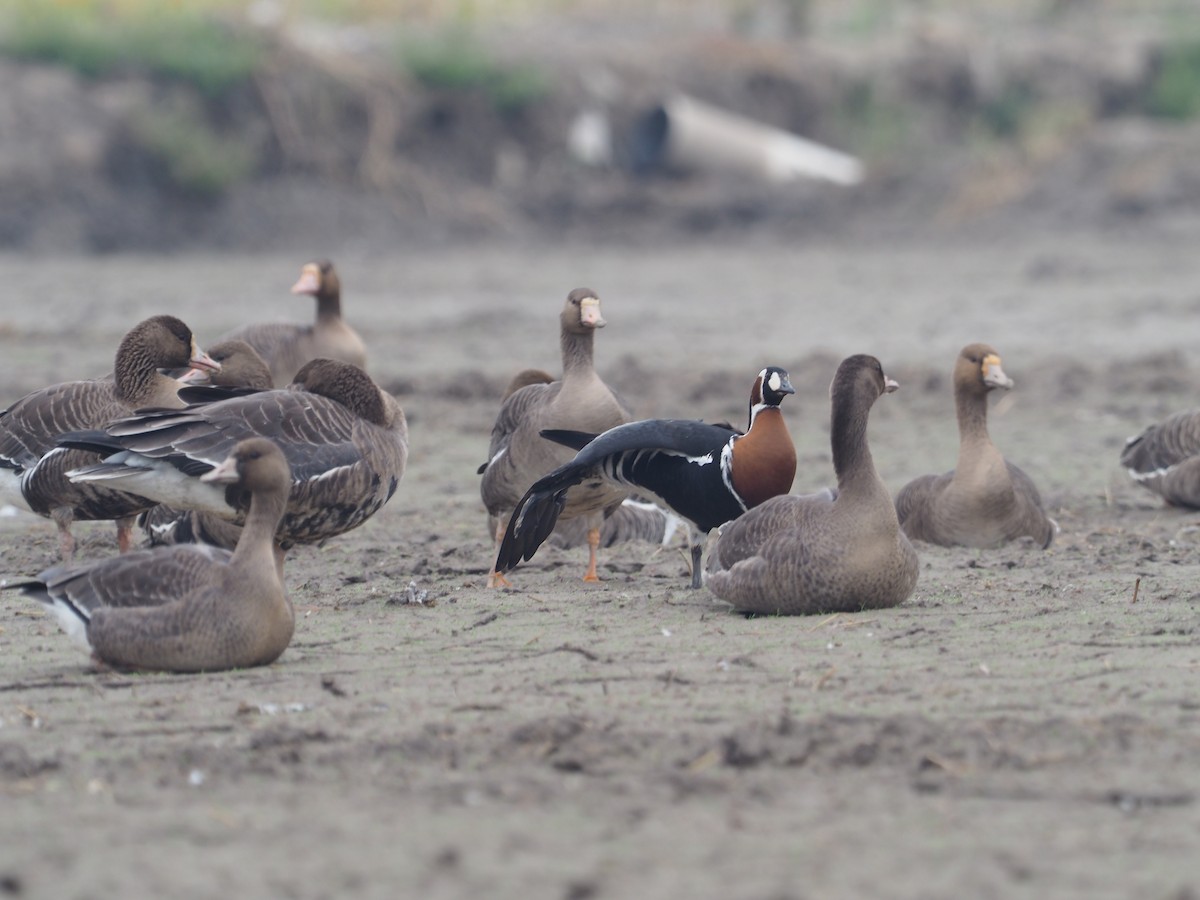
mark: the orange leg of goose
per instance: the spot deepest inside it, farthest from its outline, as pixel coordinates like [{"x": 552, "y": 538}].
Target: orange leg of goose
[
  {"x": 497, "y": 579},
  {"x": 593, "y": 544},
  {"x": 63, "y": 517},
  {"x": 125, "y": 535}
]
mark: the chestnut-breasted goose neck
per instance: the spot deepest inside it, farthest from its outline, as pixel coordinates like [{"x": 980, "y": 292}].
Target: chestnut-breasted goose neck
[
  {"x": 763, "y": 460},
  {"x": 859, "y": 382},
  {"x": 320, "y": 280}
]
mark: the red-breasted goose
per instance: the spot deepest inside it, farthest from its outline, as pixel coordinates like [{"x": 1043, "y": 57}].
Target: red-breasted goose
[
  {"x": 825, "y": 552},
  {"x": 345, "y": 439},
  {"x": 708, "y": 474},
  {"x": 33, "y": 467},
  {"x": 286, "y": 346},
  {"x": 1165, "y": 459},
  {"x": 984, "y": 501},
  {"x": 189, "y": 608},
  {"x": 518, "y": 455}
]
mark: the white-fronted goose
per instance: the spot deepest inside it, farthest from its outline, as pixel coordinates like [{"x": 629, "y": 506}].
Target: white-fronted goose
[
  {"x": 984, "y": 501},
  {"x": 813, "y": 554},
  {"x": 708, "y": 474},
  {"x": 345, "y": 439},
  {"x": 241, "y": 367},
  {"x": 33, "y": 467},
  {"x": 581, "y": 401},
  {"x": 190, "y": 608},
  {"x": 1165, "y": 459},
  {"x": 286, "y": 347}
]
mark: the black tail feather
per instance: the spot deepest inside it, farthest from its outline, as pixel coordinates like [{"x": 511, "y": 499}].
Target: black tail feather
[
  {"x": 95, "y": 441},
  {"x": 576, "y": 440}
]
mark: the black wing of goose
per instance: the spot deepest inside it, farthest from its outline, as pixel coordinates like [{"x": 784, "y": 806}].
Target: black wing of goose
[{"x": 671, "y": 458}]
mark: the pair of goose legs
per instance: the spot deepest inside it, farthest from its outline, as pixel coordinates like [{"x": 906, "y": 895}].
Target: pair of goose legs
[{"x": 497, "y": 579}]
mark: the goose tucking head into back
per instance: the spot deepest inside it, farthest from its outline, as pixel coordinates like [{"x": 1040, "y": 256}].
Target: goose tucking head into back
[{"x": 32, "y": 467}]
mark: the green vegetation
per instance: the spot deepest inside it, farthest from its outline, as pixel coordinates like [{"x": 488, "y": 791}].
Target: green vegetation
[
  {"x": 1175, "y": 90},
  {"x": 94, "y": 39},
  {"x": 456, "y": 61},
  {"x": 197, "y": 160}
]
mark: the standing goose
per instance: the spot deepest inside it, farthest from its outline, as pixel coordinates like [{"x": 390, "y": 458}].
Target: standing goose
[
  {"x": 984, "y": 501},
  {"x": 33, "y": 468},
  {"x": 518, "y": 455},
  {"x": 820, "y": 553},
  {"x": 190, "y": 608},
  {"x": 345, "y": 439},
  {"x": 286, "y": 347},
  {"x": 1165, "y": 459},
  {"x": 708, "y": 474}
]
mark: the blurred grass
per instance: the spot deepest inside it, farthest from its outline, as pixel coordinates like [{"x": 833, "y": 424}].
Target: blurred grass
[
  {"x": 456, "y": 60},
  {"x": 196, "y": 159},
  {"x": 93, "y": 37}
]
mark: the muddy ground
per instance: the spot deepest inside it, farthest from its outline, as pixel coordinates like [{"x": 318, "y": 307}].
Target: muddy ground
[{"x": 1027, "y": 724}]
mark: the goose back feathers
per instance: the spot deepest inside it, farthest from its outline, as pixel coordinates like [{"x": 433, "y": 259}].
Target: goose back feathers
[
  {"x": 708, "y": 474},
  {"x": 187, "y": 608},
  {"x": 984, "y": 501},
  {"x": 824, "y": 552},
  {"x": 286, "y": 346},
  {"x": 1165, "y": 459},
  {"x": 32, "y": 466},
  {"x": 345, "y": 439}
]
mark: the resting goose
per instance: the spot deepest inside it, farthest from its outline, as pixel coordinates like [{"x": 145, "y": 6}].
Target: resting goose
[
  {"x": 286, "y": 346},
  {"x": 581, "y": 401},
  {"x": 190, "y": 608},
  {"x": 984, "y": 501},
  {"x": 32, "y": 467},
  {"x": 817, "y": 553},
  {"x": 1165, "y": 459},
  {"x": 241, "y": 368},
  {"x": 708, "y": 474},
  {"x": 345, "y": 439}
]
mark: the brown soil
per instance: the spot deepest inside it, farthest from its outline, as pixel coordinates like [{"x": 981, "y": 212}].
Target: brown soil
[{"x": 1025, "y": 725}]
